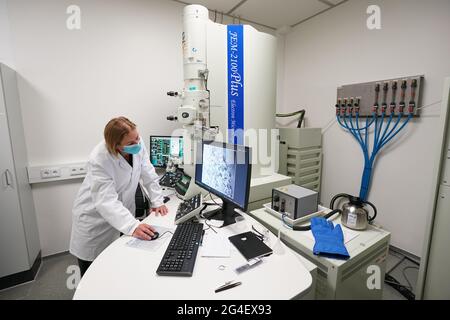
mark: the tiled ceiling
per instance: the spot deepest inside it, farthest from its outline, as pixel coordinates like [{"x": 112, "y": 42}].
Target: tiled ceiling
[{"x": 270, "y": 13}]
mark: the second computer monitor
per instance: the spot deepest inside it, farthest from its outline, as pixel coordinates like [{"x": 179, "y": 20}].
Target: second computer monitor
[
  {"x": 163, "y": 147},
  {"x": 225, "y": 170}
]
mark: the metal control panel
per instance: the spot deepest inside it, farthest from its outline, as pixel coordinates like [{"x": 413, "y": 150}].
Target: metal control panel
[
  {"x": 294, "y": 201},
  {"x": 284, "y": 203},
  {"x": 397, "y": 96}
]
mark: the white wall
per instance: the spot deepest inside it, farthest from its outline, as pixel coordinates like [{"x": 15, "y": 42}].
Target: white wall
[
  {"x": 336, "y": 48},
  {"x": 127, "y": 55},
  {"x": 124, "y": 59},
  {"x": 6, "y": 54}
]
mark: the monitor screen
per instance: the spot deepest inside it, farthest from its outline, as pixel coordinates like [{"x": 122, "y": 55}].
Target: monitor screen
[
  {"x": 224, "y": 170},
  {"x": 163, "y": 147}
]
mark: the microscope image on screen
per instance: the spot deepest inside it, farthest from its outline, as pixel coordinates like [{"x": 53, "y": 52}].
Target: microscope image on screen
[
  {"x": 219, "y": 170},
  {"x": 163, "y": 148}
]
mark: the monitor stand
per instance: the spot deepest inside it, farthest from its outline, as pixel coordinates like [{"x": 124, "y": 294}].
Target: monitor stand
[{"x": 225, "y": 214}]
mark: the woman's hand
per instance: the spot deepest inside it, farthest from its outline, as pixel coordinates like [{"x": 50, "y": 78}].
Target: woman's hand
[
  {"x": 161, "y": 210},
  {"x": 144, "y": 232}
]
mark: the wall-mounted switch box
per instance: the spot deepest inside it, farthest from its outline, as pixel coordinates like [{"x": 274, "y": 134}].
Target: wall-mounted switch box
[
  {"x": 394, "y": 96},
  {"x": 56, "y": 172}
]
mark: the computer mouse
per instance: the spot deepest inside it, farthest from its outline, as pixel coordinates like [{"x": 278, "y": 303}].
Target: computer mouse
[{"x": 155, "y": 235}]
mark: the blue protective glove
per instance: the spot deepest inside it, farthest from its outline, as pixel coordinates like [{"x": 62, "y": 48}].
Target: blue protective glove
[{"x": 329, "y": 239}]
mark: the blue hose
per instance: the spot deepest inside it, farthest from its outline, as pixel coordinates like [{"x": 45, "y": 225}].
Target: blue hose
[
  {"x": 387, "y": 126},
  {"x": 380, "y": 129},
  {"x": 397, "y": 122},
  {"x": 367, "y": 124},
  {"x": 365, "y": 181},
  {"x": 355, "y": 134},
  {"x": 400, "y": 129},
  {"x": 346, "y": 127},
  {"x": 381, "y": 138},
  {"x": 364, "y": 142}
]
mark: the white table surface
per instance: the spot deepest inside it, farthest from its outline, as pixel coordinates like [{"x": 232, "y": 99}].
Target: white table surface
[
  {"x": 122, "y": 272},
  {"x": 305, "y": 243}
]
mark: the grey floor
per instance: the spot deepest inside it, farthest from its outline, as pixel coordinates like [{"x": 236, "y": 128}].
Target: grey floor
[
  {"x": 50, "y": 283},
  {"x": 403, "y": 272}
]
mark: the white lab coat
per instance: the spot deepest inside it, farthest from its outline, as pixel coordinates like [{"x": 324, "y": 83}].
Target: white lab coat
[{"x": 105, "y": 204}]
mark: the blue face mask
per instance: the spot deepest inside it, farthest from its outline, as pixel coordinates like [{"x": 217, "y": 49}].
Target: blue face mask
[{"x": 133, "y": 149}]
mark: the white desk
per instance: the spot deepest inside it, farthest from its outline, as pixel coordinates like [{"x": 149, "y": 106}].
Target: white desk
[
  {"x": 338, "y": 279},
  {"x": 121, "y": 272}
]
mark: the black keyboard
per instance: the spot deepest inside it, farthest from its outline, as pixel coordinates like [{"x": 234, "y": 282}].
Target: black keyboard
[{"x": 179, "y": 258}]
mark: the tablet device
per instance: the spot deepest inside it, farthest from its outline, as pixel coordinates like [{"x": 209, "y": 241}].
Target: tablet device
[{"x": 250, "y": 246}]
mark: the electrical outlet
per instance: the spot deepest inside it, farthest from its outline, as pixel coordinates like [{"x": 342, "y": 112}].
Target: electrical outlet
[
  {"x": 55, "y": 172},
  {"x": 77, "y": 171},
  {"x": 48, "y": 173},
  {"x": 45, "y": 173}
]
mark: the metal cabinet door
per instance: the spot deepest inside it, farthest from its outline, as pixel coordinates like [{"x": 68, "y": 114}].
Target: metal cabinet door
[
  {"x": 446, "y": 166},
  {"x": 13, "y": 248},
  {"x": 437, "y": 285}
]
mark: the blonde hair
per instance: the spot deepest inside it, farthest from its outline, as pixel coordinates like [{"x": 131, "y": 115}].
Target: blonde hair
[{"x": 115, "y": 131}]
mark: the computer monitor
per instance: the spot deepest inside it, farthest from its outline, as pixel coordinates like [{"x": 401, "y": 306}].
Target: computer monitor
[
  {"x": 225, "y": 170},
  {"x": 163, "y": 147}
]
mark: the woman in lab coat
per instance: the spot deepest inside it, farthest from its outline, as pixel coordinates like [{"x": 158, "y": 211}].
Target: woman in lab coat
[{"x": 105, "y": 204}]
